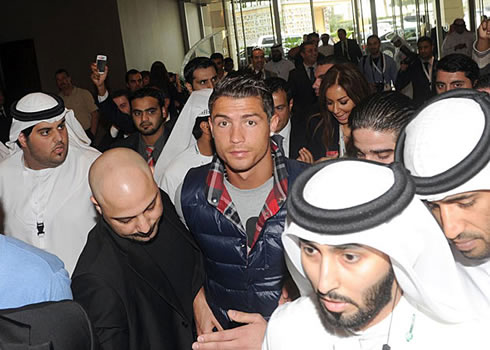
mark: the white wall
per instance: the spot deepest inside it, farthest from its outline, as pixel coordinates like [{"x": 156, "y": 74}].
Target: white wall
[{"x": 151, "y": 31}]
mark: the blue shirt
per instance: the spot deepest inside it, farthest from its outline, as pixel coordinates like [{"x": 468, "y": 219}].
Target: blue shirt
[{"x": 30, "y": 275}]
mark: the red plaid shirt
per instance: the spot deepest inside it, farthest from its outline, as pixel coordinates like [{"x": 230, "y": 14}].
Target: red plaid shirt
[{"x": 218, "y": 196}]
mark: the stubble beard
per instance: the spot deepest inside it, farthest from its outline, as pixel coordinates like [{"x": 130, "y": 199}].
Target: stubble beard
[{"x": 374, "y": 299}]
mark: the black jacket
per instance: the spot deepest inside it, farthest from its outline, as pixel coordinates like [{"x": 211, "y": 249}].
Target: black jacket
[
  {"x": 422, "y": 89},
  {"x": 301, "y": 90},
  {"x": 355, "y": 53},
  {"x": 140, "y": 295},
  {"x": 46, "y": 326}
]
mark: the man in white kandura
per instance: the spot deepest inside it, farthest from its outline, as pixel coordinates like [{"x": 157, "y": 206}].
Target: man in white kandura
[
  {"x": 383, "y": 275},
  {"x": 44, "y": 188},
  {"x": 446, "y": 147}
]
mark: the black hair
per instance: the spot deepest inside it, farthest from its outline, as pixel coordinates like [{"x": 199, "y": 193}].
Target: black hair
[
  {"x": 388, "y": 110},
  {"x": 217, "y": 56},
  {"x": 457, "y": 62},
  {"x": 197, "y": 63},
  {"x": 483, "y": 82},
  {"x": 332, "y": 59},
  {"x": 26, "y": 132},
  {"x": 130, "y": 72},
  {"x": 119, "y": 93},
  {"x": 311, "y": 35},
  {"x": 341, "y": 30},
  {"x": 424, "y": 38},
  {"x": 159, "y": 76},
  {"x": 61, "y": 70},
  {"x": 242, "y": 85},
  {"x": 305, "y": 43},
  {"x": 275, "y": 84},
  {"x": 373, "y": 36},
  {"x": 149, "y": 92},
  {"x": 145, "y": 73},
  {"x": 196, "y": 130}
]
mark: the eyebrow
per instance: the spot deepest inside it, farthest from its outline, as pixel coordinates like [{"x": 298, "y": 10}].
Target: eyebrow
[
  {"x": 378, "y": 151},
  {"x": 459, "y": 198},
  {"x": 62, "y": 121},
  {"x": 241, "y": 117},
  {"x": 144, "y": 110},
  {"x": 131, "y": 217},
  {"x": 353, "y": 246}
]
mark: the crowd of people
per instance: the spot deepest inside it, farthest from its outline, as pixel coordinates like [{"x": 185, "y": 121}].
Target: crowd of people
[{"x": 327, "y": 199}]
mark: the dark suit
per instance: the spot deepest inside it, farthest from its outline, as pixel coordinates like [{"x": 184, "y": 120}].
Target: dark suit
[
  {"x": 140, "y": 295},
  {"x": 304, "y": 98},
  {"x": 415, "y": 74},
  {"x": 5, "y": 122},
  {"x": 46, "y": 326},
  {"x": 301, "y": 90},
  {"x": 353, "y": 49}
]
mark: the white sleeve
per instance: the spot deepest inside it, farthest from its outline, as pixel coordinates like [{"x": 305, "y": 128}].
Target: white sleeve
[{"x": 103, "y": 98}]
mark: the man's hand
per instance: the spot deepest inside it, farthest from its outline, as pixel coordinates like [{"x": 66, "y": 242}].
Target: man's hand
[
  {"x": 205, "y": 320},
  {"x": 99, "y": 79},
  {"x": 248, "y": 337},
  {"x": 483, "y": 42}
]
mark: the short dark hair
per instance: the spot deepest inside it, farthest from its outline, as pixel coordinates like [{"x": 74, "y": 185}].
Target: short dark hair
[
  {"x": 373, "y": 36},
  {"x": 197, "y": 63},
  {"x": 131, "y": 72},
  {"x": 61, "y": 70},
  {"x": 383, "y": 111},
  {"x": 145, "y": 73},
  {"x": 149, "y": 92},
  {"x": 341, "y": 30},
  {"x": 275, "y": 84},
  {"x": 217, "y": 56},
  {"x": 483, "y": 82},
  {"x": 196, "y": 130},
  {"x": 424, "y": 38},
  {"x": 242, "y": 85},
  {"x": 305, "y": 43},
  {"x": 119, "y": 93},
  {"x": 312, "y": 35},
  {"x": 457, "y": 62},
  {"x": 332, "y": 59}
]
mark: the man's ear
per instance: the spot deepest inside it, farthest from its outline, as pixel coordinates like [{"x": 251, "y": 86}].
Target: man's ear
[
  {"x": 291, "y": 103},
  {"x": 22, "y": 140},
  {"x": 273, "y": 123},
  {"x": 96, "y": 204},
  {"x": 188, "y": 87},
  {"x": 204, "y": 125},
  {"x": 210, "y": 124}
]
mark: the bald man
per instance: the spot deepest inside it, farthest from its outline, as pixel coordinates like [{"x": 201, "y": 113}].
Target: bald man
[{"x": 140, "y": 269}]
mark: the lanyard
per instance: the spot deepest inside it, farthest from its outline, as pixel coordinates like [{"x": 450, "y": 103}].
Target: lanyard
[
  {"x": 426, "y": 72},
  {"x": 375, "y": 66}
]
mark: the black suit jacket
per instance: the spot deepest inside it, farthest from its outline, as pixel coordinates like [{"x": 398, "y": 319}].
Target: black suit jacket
[
  {"x": 353, "y": 49},
  {"x": 422, "y": 90},
  {"x": 301, "y": 89},
  {"x": 5, "y": 123},
  {"x": 140, "y": 295},
  {"x": 123, "y": 121},
  {"x": 46, "y": 326}
]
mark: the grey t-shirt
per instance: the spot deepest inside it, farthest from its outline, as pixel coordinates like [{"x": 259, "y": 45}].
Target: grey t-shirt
[{"x": 249, "y": 204}]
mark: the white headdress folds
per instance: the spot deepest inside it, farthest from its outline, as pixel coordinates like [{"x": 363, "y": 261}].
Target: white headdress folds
[
  {"x": 40, "y": 107},
  {"x": 360, "y": 202},
  {"x": 446, "y": 146},
  {"x": 181, "y": 136}
]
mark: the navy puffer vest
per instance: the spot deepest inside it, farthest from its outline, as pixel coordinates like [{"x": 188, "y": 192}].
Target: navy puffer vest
[{"x": 234, "y": 280}]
